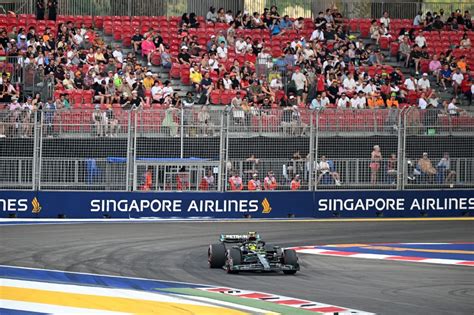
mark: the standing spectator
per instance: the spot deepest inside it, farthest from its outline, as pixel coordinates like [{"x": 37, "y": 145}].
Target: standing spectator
[
  {"x": 211, "y": 16},
  {"x": 457, "y": 79},
  {"x": 52, "y": 9},
  {"x": 270, "y": 182},
  {"x": 254, "y": 183},
  {"x": 385, "y": 20},
  {"x": 418, "y": 21},
  {"x": 375, "y": 160},
  {"x": 392, "y": 168},
  {"x": 301, "y": 84},
  {"x": 235, "y": 182},
  {"x": 100, "y": 121},
  {"x": 148, "y": 179},
  {"x": 49, "y": 113},
  {"x": 295, "y": 183},
  {"x": 40, "y": 9}
]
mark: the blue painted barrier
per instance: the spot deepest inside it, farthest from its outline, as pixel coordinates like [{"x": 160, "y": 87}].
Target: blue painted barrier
[{"x": 319, "y": 204}]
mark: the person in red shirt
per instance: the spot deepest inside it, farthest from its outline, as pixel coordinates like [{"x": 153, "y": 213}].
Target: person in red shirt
[
  {"x": 254, "y": 183},
  {"x": 270, "y": 182},
  {"x": 148, "y": 180},
  {"x": 296, "y": 183},
  {"x": 235, "y": 182}
]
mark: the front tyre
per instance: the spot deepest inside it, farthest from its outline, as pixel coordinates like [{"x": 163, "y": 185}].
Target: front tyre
[{"x": 290, "y": 258}]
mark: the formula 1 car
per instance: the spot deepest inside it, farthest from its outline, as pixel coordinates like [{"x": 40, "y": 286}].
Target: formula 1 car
[{"x": 248, "y": 252}]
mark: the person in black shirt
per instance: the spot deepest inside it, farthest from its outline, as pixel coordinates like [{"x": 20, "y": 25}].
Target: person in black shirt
[
  {"x": 4, "y": 39},
  {"x": 52, "y": 9},
  {"x": 193, "y": 23},
  {"x": 184, "y": 57},
  {"x": 137, "y": 39},
  {"x": 438, "y": 24},
  {"x": 40, "y": 9}
]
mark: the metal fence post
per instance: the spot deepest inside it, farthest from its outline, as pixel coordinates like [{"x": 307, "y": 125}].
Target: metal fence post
[
  {"x": 131, "y": 152},
  {"x": 401, "y": 151},
  {"x": 312, "y": 138},
  {"x": 223, "y": 151}
]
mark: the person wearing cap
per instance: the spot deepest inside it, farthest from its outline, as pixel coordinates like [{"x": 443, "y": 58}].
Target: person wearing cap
[
  {"x": 184, "y": 57},
  {"x": 295, "y": 183},
  {"x": 148, "y": 81},
  {"x": 393, "y": 101},
  {"x": 426, "y": 167},
  {"x": 270, "y": 182},
  {"x": 254, "y": 183},
  {"x": 423, "y": 84}
]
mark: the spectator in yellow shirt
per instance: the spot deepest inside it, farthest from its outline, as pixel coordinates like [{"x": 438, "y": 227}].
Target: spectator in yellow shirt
[
  {"x": 196, "y": 77},
  {"x": 148, "y": 82}
]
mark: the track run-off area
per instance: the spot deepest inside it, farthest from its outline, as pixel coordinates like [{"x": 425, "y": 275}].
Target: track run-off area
[{"x": 347, "y": 267}]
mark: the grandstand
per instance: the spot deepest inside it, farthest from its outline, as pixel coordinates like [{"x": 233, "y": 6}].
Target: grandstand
[{"x": 324, "y": 84}]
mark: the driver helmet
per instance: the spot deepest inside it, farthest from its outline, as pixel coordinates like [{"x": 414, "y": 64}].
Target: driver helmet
[{"x": 252, "y": 247}]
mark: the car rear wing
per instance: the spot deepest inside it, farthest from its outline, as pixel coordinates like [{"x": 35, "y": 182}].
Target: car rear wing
[{"x": 236, "y": 238}]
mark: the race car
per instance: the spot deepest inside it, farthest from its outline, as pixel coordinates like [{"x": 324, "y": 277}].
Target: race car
[{"x": 248, "y": 252}]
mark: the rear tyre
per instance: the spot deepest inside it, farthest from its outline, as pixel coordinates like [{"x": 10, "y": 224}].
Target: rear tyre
[
  {"x": 290, "y": 258},
  {"x": 216, "y": 255},
  {"x": 234, "y": 257}
]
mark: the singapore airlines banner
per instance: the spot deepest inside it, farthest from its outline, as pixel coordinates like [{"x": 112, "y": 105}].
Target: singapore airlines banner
[{"x": 320, "y": 204}]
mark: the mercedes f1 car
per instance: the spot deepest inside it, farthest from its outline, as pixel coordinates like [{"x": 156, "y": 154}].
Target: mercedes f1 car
[{"x": 249, "y": 252}]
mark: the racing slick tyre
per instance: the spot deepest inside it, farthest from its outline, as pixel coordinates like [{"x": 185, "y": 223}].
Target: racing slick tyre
[
  {"x": 290, "y": 258},
  {"x": 234, "y": 257},
  {"x": 216, "y": 255}
]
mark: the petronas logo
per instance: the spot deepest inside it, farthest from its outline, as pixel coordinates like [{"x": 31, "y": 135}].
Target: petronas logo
[
  {"x": 36, "y": 206},
  {"x": 266, "y": 206}
]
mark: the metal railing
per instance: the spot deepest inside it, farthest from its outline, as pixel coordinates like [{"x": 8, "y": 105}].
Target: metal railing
[
  {"x": 294, "y": 8},
  {"x": 114, "y": 149}
]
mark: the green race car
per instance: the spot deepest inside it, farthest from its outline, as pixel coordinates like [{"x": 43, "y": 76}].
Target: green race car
[{"x": 248, "y": 252}]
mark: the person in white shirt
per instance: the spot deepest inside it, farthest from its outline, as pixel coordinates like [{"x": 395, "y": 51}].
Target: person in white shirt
[
  {"x": 317, "y": 34},
  {"x": 228, "y": 17},
  {"x": 300, "y": 82},
  {"x": 213, "y": 63},
  {"x": 324, "y": 100},
  {"x": 349, "y": 83},
  {"x": 424, "y": 83},
  {"x": 344, "y": 101},
  {"x": 227, "y": 82},
  {"x": 457, "y": 78},
  {"x": 117, "y": 53},
  {"x": 452, "y": 109},
  {"x": 422, "y": 103},
  {"x": 359, "y": 101},
  {"x": 240, "y": 46},
  {"x": 276, "y": 83},
  {"x": 222, "y": 51},
  {"x": 420, "y": 40},
  {"x": 410, "y": 83},
  {"x": 157, "y": 91},
  {"x": 385, "y": 20}
]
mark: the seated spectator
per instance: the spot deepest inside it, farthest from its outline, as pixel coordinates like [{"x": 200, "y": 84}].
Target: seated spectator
[
  {"x": 425, "y": 167},
  {"x": 148, "y": 48},
  {"x": 166, "y": 61},
  {"x": 222, "y": 51},
  {"x": 286, "y": 23},
  {"x": 359, "y": 101},
  {"x": 298, "y": 25},
  {"x": 344, "y": 101},
  {"x": 445, "y": 75},
  {"x": 444, "y": 168},
  {"x": 211, "y": 16},
  {"x": 275, "y": 28},
  {"x": 184, "y": 57},
  {"x": 423, "y": 84},
  {"x": 324, "y": 168}
]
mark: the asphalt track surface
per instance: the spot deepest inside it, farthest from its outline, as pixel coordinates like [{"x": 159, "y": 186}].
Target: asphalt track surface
[{"x": 177, "y": 251}]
